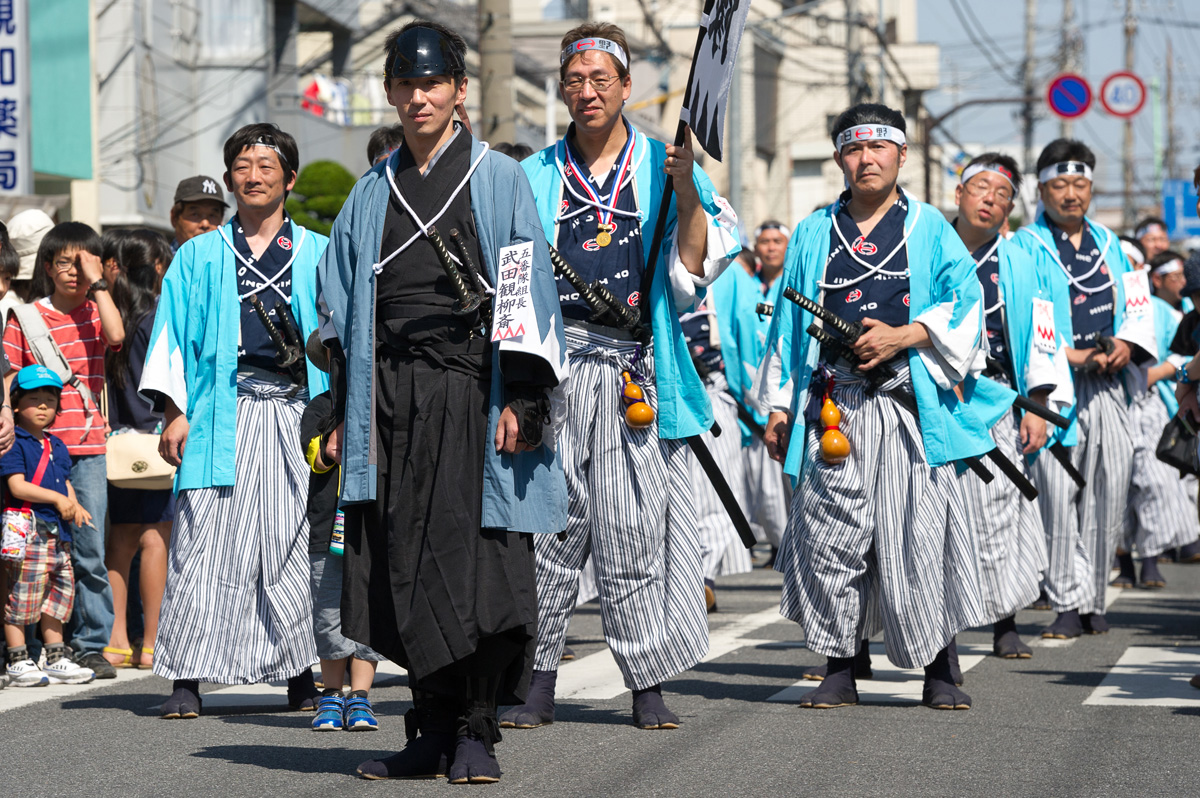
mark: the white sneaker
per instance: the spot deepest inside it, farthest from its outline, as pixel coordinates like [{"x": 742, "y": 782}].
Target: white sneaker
[
  {"x": 64, "y": 670},
  {"x": 26, "y": 673}
]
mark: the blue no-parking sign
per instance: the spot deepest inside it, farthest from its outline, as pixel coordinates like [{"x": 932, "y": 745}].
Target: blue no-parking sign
[
  {"x": 1069, "y": 95},
  {"x": 1179, "y": 208}
]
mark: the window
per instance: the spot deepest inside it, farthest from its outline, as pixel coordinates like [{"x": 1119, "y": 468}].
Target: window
[
  {"x": 231, "y": 31},
  {"x": 766, "y": 99}
]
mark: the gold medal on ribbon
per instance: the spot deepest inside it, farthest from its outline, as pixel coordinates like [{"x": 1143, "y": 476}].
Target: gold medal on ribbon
[{"x": 604, "y": 234}]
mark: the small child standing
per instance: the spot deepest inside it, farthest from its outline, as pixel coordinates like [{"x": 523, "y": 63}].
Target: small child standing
[
  {"x": 335, "y": 709},
  {"x": 42, "y": 584}
]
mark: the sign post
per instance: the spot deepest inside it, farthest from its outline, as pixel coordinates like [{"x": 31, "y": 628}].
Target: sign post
[
  {"x": 1069, "y": 95},
  {"x": 1123, "y": 94},
  {"x": 16, "y": 163}
]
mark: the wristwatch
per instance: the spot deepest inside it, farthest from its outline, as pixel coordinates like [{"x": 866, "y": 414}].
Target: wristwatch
[
  {"x": 1181, "y": 375},
  {"x": 99, "y": 285}
]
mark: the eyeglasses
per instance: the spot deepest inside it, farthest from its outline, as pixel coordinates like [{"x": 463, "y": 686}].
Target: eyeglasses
[
  {"x": 981, "y": 190},
  {"x": 574, "y": 84},
  {"x": 64, "y": 265}
]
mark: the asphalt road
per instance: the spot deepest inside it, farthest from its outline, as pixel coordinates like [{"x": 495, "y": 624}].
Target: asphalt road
[{"x": 1108, "y": 715}]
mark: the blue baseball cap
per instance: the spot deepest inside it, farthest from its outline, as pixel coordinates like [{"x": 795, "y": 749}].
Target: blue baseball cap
[{"x": 32, "y": 377}]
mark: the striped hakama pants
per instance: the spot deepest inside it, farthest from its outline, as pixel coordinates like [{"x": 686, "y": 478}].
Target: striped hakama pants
[
  {"x": 768, "y": 493},
  {"x": 1012, "y": 543},
  {"x": 1161, "y": 513},
  {"x": 1083, "y": 526},
  {"x": 720, "y": 547},
  {"x": 629, "y": 511},
  {"x": 237, "y": 607},
  {"x": 880, "y": 541}
]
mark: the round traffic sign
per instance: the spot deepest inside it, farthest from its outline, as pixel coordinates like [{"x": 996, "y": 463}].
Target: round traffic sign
[
  {"x": 1069, "y": 95},
  {"x": 1123, "y": 94}
]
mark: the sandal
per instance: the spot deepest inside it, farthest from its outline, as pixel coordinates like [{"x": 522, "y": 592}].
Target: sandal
[
  {"x": 125, "y": 654},
  {"x": 146, "y": 660}
]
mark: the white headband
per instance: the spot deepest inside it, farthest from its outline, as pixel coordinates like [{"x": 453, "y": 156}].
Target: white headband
[
  {"x": 762, "y": 228},
  {"x": 1149, "y": 227},
  {"x": 1170, "y": 267},
  {"x": 975, "y": 169},
  {"x": 869, "y": 133},
  {"x": 1133, "y": 253},
  {"x": 260, "y": 143},
  {"x": 1065, "y": 168},
  {"x": 605, "y": 45}
]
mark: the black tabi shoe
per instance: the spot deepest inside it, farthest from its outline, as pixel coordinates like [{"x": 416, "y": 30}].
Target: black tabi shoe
[
  {"x": 1170, "y": 555},
  {"x": 1128, "y": 576},
  {"x": 1093, "y": 623},
  {"x": 427, "y": 756},
  {"x": 862, "y": 666},
  {"x": 650, "y": 712},
  {"x": 567, "y": 655},
  {"x": 538, "y": 709},
  {"x": 1041, "y": 603},
  {"x": 302, "y": 692},
  {"x": 939, "y": 691},
  {"x": 1190, "y": 553},
  {"x": 1006, "y": 642},
  {"x": 1066, "y": 626},
  {"x": 769, "y": 565},
  {"x": 473, "y": 763},
  {"x": 1152, "y": 578},
  {"x": 184, "y": 702},
  {"x": 955, "y": 670},
  {"x": 1195, "y": 681},
  {"x": 838, "y": 688},
  {"x": 710, "y": 596}
]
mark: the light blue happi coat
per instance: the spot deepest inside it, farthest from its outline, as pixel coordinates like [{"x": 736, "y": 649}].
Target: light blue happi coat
[
  {"x": 1038, "y": 240},
  {"x": 1021, "y": 283},
  {"x": 945, "y": 296},
  {"x": 743, "y": 331},
  {"x": 523, "y": 492},
  {"x": 192, "y": 358},
  {"x": 683, "y": 405}
]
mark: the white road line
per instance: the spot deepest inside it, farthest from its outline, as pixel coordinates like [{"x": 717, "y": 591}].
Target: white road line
[
  {"x": 889, "y": 682},
  {"x": 17, "y": 697},
  {"x": 1149, "y": 676},
  {"x": 597, "y": 676}
]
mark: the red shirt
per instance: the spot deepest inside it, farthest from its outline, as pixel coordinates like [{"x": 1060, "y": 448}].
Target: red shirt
[{"x": 81, "y": 339}]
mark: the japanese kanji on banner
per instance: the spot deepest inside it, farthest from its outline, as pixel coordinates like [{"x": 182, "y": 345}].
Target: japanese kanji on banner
[
  {"x": 512, "y": 313},
  {"x": 707, "y": 92},
  {"x": 16, "y": 168}
]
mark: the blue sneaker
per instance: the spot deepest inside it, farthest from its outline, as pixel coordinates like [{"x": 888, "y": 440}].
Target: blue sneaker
[
  {"x": 330, "y": 712},
  {"x": 359, "y": 714}
]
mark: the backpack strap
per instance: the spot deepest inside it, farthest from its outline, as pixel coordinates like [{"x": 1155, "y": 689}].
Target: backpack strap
[{"x": 45, "y": 351}]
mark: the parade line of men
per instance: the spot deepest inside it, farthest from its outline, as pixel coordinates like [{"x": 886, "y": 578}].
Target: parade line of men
[{"x": 929, "y": 421}]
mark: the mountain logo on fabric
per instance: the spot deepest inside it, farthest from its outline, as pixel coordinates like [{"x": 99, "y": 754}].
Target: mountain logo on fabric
[
  {"x": 854, "y": 296},
  {"x": 906, "y": 300},
  {"x": 864, "y": 247},
  {"x": 996, "y": 278},
  {"x": 591, "y": 246},
  {"x": 1081, "y": 299},
  {"x": 633, "y": 299},
  {"x": 284, "y": 242}
]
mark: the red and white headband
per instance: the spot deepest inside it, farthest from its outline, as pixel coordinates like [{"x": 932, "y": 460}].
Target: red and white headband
[
  {"x": 870, "y": 133},
  {"x": 604, "y": 45},
  {"x": 975, "y": 169}
]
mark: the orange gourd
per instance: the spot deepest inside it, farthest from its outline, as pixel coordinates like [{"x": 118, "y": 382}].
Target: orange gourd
[
  {"x": 638, "y": 414},
  {"x": 835, "y": 447}
]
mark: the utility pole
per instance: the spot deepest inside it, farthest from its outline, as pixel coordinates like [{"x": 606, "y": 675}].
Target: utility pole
[
  {"x": 1169, "y": 149},
  {"x": 881, "y": 35},
  {"x": 855, "y": 68},
  {"x": 498, "y": 121},
  {"x": 1027, "y": 81},
  {"x": 1066, "y": 127},
  {"x": 1129, "y": 211}
]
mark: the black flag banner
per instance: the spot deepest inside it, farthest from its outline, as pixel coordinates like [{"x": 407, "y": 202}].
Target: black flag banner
[{"x": 707, "y": 94}]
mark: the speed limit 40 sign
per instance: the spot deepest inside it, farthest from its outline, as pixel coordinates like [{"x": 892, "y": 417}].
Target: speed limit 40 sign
[{"x": 1123, "y": 94}]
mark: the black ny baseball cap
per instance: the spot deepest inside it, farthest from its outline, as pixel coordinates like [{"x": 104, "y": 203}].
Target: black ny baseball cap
[{"x": 200, "y": 189}]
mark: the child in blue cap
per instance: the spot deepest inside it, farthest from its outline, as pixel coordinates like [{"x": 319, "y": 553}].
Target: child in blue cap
[{"x": 42, "y": 582}]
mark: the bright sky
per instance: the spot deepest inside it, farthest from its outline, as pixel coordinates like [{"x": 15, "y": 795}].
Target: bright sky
[{"x": 999, "y": 27}]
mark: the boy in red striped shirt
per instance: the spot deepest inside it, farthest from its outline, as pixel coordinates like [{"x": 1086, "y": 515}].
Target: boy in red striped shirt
[{"x": 69, "y": 271}]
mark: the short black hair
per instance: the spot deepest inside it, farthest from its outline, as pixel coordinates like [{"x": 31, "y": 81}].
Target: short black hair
[
  {"x": 111, "y": 240},
  {"x": 61, "y": 237},
  {"x": 15, "y": 393},
  {"x": 10, "y": 261},
  {"x": 1007, "y": 161},
  {"x": 1061, "y": 150},
  {"x": 1150, "y": 220},
  {"x": 269, "y": 134},
  {"x": 867, "y": 114},
  {"x": 518, "y": 152},
  {"x": 454, "y": 37},
  {"x": 383, "y": 140}
]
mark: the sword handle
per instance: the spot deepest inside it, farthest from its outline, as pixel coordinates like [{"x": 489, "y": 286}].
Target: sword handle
[
  {"x": 485, "y": 309},
  {"x": 468, "y": 301}
]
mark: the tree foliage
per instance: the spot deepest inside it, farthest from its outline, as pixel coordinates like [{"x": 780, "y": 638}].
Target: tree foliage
[{"x": 321, "y": 190}]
